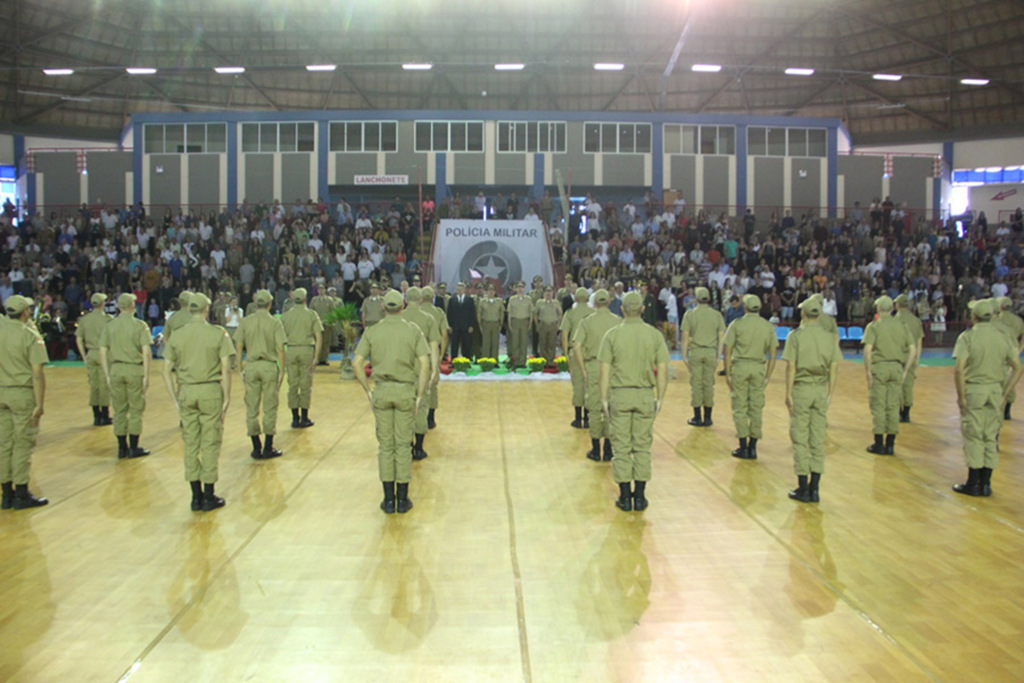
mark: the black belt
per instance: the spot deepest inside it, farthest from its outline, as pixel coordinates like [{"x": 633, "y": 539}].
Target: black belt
[
  {"x": 647, "y": 387},
  {"x": 125, "y": 362}
]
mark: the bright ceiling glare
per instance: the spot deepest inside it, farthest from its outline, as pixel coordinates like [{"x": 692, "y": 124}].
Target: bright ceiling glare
[
  {"x": 799, "y": 71},
  {"x": 58, "y": 72},
  {"x": 230, "y": 69},
  {"x": 321, "y": 67},
  {"x": 509, "y": 67},
  {"x": 888, "y": 77},
  {"x": 609, "y": 66},
  {"x": 418, "y": 67},
  {"x": 140, "y": 70},
  {"x": 974, "y": 81},
  {"x": 706, "y": 68}
]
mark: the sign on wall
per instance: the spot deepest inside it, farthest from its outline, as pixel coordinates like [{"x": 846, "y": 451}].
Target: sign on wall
[
  {"x": 381, "y": 180},
  {"x": 501, "y": 252}
]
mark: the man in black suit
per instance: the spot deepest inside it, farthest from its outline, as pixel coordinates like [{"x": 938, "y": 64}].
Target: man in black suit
[{"x": 461, "y": 320}]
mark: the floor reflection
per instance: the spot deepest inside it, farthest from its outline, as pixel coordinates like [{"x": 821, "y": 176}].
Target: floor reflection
[
  {"x": 26, "y": 612},
  {"x": 614, "y": 590},
  {"x": 263, "y": 497},
  {"x": 809, "y": 547}
]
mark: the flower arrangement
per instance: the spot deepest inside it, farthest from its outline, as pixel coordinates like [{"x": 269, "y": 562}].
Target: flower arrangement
[
  {"x": 487, "y": 364},
  {"x": 536, "y": 364},
  {"x": 562, "y": 363},
  {"x": 461, "y": 364}
]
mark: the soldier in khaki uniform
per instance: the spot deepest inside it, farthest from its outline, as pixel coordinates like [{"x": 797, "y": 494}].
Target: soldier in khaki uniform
[
  {"x": 304, "y": 334},
  {"x": 916, "y": 330},
  {"x": 125, "y": 356},
  {"x": 812, "y": 360},
  {"x": 571, "y": 320},
  {"x": 586, "y": 342},
  {"x": 546, "y": 314},
  {"x": 749, "y": 340},
  {"x": 824, "y": 320},
  {"x": 322, "y": 304},
  {"x": 428, "y": 326},
  {"x": 889, "y": 353},
  {"x": 87, "y": 337},
  {"x": 22, "y": 393},
  {"x": 489, "y": 313},
  {"x": 536, "y": 294},
  {"x": 983, "y": 355},
  {"x": 630, "y": 354},
  {"x": 520, "y": 314},
  {"x": 372, "y": 311},
  {"x": 703, "y": 329},
  {"x": 427, "y": 304},
  {"x": 401, "y": 373},
  {"x": 261, "y": 336},
  {"x": 1012, "y": 324},
  {"x": 178, "y": 318},
  {"x": 197, "y": 373}
]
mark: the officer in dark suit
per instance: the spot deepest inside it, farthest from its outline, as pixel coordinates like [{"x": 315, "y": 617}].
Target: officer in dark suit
[{"x": 461, "y": 320}]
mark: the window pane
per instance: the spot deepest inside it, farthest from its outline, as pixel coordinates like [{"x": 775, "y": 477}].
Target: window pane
[
  {"x": 726, "y": 140},
  {"x": 688, "y": 139},
  {"x": 216, "y": 137},
  {"x": 175, "y": 138},
  {"x": 287, "y": 141},
  {"x": 609, "y": 137},
  {"x": 371, "y": 136},
  {"x": 250, "y": 137},
  {"x": 592, "y": 137},
  {"x": 520, "y": 139},
  {"x": 307, "y": 137},
  {"x": 458, "y": 142},
  {"x": 777, "y": 142},
  {"x": 389, "y": 137},
  {"x": 672, "y": 140},
  {"x": 709, "y": 139},
  {"x": 544, "y": 137},
  {"x": 153, "y": 139},
  {"x": 353, "y": 137},
  {"x": 797, "y": 142},
  {"x": 643, "y": 138},
  {"x": 440, "y": 138},
  {"x": 423, "y": 136},
  {"x": 627, "y": 137},
  {"x": 816, "y": 143},
  {"x": 268, "y": 137},
  {"x": 475, "y": 136},
  {"x": 755, "y": 141},
  {"x": 559, "y": 137},
  {"x": 531, "y": 135},
  {"x": 504, "y": 137},
  {"x": 336, "y": 137},
  {"x": 195, "y": 137}
]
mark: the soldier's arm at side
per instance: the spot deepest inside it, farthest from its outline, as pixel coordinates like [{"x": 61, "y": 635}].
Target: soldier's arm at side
[
  {"x": 913, "y": 358},
  {"x": 238, "y": 353},
  {"x": 317, "y": 346},
  {"x": 868, "y": 348},
  {"x": 1016, "y": 371},
  {"x": 359, "y": 368},
  {"x": 790, "y": 376},
  {"x": 833, "y": 370},
  {"x": 961, "y": 382},
  {"x": 577, "y": 353},
  {"x": 728, "y": 373},
  {"x": 424, "y": 378},
  {"x": 105, "y": 364},
  {"x": 169, "y": 380},
  {"x": 39, "y": 389},
  {"x": 225, "y": 384},
  {"x": 685, "y": 347},
  {"x": 604, "y": 382},
  {"x": 147, "y": 362},
  {"x": 280, "y": 365},
  {"x": 79, "y": 343},
  {"x": 662, "y": 384}
]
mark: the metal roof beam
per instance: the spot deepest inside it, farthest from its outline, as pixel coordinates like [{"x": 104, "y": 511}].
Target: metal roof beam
[
  {"x": 32, "y": 115},
  {"x": 928, "y": 118}
]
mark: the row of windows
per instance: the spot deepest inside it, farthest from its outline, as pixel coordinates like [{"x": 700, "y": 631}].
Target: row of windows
[
  {"x": 278, "y": 137},
  {"x": 180, "y": 138},
  {"x": 364, "y": 136},
  {"x": 617, "y": 138},
  {"x": 786, "y": 142},
  {"x": 532, "y": 136},
  {"x": 680, "y": 139},
  {"x": 449, "y": 136}
]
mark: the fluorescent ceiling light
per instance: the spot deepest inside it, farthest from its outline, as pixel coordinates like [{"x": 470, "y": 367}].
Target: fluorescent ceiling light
[
  {"x": 509, "y": 67},
  {"x": 888, "y": 77},
  {"x": 418, "y": 67},
  {"x": 706, "y": 68},
  {"x": 798, "y": 71},
  {"x": 974, "y": 81},
  {"x": 230, "y": 69},
  {"x": 141, "y": 70},
  {"x": 321, "y": 67},
  {"x": 609, "y": 66},
  {"x": 58, "y": 72}
]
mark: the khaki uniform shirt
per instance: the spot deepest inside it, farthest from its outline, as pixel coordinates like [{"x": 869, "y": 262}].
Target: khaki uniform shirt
[
  {"x": 828, "y": 323},
  {"x": 373, "y": 310},
  {"x": 751, "y": 338},
  {"x": 196, "y": 352},
  {"x": 572, "y": 318},
  {"x": 21, "y": 348},
  {"x": 633, "y": 349},
  {"x": 547, "y": 312},
  {"x": 322, "y": 305},
  {"x": 704, "y": 325},
  {"x": 396, "y": 345},
  {"x": 520, "y": 307},
  {"x": 890, "y": 339},
  {"x": 813, "y": 350},
  {"x": 987, "y": 351},
  {"x": 124, "y": 338},
  {"x": 260, "y": 334},
  {"x": 426, "y": 323},
  {"x": 536, "y": 294},
  {"x": 1011, "y": 323},
  {"x": 90, "y": 328},
  {"x": 592, "y": 330},
  {"x": 301, "y": 325},
  {"x": 490, "y": 310},
  {"x": 438, "y": 315},
  {"x": 178, "y": 320},
  {"x": 913, "y": 325}
]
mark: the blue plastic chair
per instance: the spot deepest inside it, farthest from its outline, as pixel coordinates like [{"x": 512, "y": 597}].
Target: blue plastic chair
[
  {"x": 842, "y": 334},
  {"x": 855, "y": 333},
  {"x": 781, "y": 333}
]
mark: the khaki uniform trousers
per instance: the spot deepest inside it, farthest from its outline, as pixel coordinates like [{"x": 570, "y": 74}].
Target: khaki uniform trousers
[
  {"x": 490, "y": 333},
  {"x": 981, "y": 424},
  {"x": 702, "y": 376},
  {"x": 201, "y": 429},
  {"x": 518, "y": 329},
  {"x": 1012, "y": 397},
  {"x": 907, "y": 397},
  {"x": 747, "y": 397},
  {"x": 17, "y": 433},
  {"x": 885, "y": 396},
  {"x": 420, "y": 417},
  {"x": 326, "y": 344},
  {"x": 127, "y": 398},
  {"x": 547, "y": 333},
  {"x": 299, "y": 360},
  {"x": 631, "y": 425},
  {"x": 579, "y": 388},
  {"x": 393, "y": 406},
  {"x": 598, "y": 425},
  {"x": 432, "y": 395},
  {"x": 261, "y": 389},
  {"x": 807, "y": 426},
  {"x": 99, "y": 394}
]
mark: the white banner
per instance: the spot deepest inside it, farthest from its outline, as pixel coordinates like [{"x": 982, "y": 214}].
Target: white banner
[
  {"x": 495, "y": 251},
  {"x": 381, "y": 180}
]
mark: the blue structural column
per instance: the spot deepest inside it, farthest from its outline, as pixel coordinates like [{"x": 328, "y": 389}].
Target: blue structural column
[
  {"x": 440, "y": 184},
  {"x": 658, "y": 160},
  {"x": 232, "y": 140},
  {"x": 945, "y": 177},
  {"x": 322, "y": 150},
  {"x": 137, "y": 157},
  {"x": 538, "y": 176},
  {"x": 741, "y": 169},
  {"x": 833, "y": 170},
  {"x": 21, "y": 170}
]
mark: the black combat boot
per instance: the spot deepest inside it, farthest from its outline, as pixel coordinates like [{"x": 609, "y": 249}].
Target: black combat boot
[
  {"x": 800, "y": 492},
  {"x": 973, "y": 485},
  {"x": 122, "y": 447},
  {"x": 305, "y": 421},
  {"x": 743, "y": 451},
  {"x": 417, "y": 450},
  {"x": 197, "y": 495},
  {"x": 878, "y": 447},
  {"x": 707, "y": 416},
  {"x": 8, "y": 496},
  {"x": 105, "y": 418},
  {"x": 903, "y": 414},
  {"x": 1006, "y": 411},
  {"x": 595, "y": 450},
  {"x": 404, "y": 503},
  {"x": 752, "y": 448},
  {"x": 608, "y": 455},
  {"x": 625, "y": 499},
  {"x": 388, "y": 504},
  {"x": 268, "y": 448},
  {"x": 24, "y": 499},
  {"x": 257, "y": 448},
  {"x": 134, "y": 451},
  {"x": 812, "y": 486},
  {"x": 211, "y": 501},
  {"x": 96, "y": 416},
  {"x": 578, "y": 422},
  {"x": 295, "y": 418},
  {"x": 639, "y": 501},
  {"x": 985, "y": 481},
  {"x": 586, "y": 419},
  {"x": 696, "y": 420},
  {"x": 431, "y": 423},
  {"x": 890, "y": 444}
]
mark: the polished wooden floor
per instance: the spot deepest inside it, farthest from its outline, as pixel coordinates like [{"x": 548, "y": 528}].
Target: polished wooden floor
[{"x": 514, "y": 564}]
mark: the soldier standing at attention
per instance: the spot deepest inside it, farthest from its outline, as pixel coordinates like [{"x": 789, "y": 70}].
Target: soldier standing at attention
[
  {"x": 520, "y": 312},
  {"x": 983, "y": 354},
  {"x": 22, "y": 392},
  {"x": 586, "y": 342},
  {"x": 812, "y": 360},
  {"x": 304, "y": 334},
  {"x": 1010, "y": 323},
  {"x": 916, "y": 330},
  {"x": 571, "y": 320},
  {"x": 428, "y": 326},
  {"x": 427, "y": 304},
  {"x": 824, "y": 320},
  {"x": 546, "y": 314},
  {"x": 703, "y": 329},
  {"x": 197, "y": 373},
  {"x": 749, "y": 340},
  {"x": 535, "y": 295},
  {"x": 322, "y": 304},
  {"x": 125, "y": 357},
  {"x": 489, "y": 313},
  {"x": 261, "y": 336},
  {"x": 889, "y": 353},
  {"x": 178, "y": 318},
  {"x": 87, "y": 337},
  {"x": 630, "y": 355},
  {"x": 372, "y": 310},
  {"x": 401, "y": 373}
]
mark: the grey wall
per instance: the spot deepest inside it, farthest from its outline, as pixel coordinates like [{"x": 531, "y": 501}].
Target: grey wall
[
  {"x": 683, "y": 176},
  {"x": 863, "y": 178},
  {"x": 768, "y": 182},
  {"x": 403, "y": 162},
  {"x": 295, "y": 177},
  {"x": 574, "y": 161},
  {"x": 716, "y": 181},
  {"x": 203, "y": 179},
  {"x": 259, "y": 178},
  {"x": 165, "y": 188},
  {"x": 349, "y": 164},
  {"x": 107, "y": 171},
  {"x": 624, "y": 169},
  {"x": 60, "y": 178},
  {"x": 908, "y": 182},
  {"x": 807, "y": 191},
  {"x": 509, "y": 169},
  {"x": 470, "y": 168}
]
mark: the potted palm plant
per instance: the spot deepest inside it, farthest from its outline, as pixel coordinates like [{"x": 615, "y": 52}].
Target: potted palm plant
[{"x": 346, "y": 319}]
